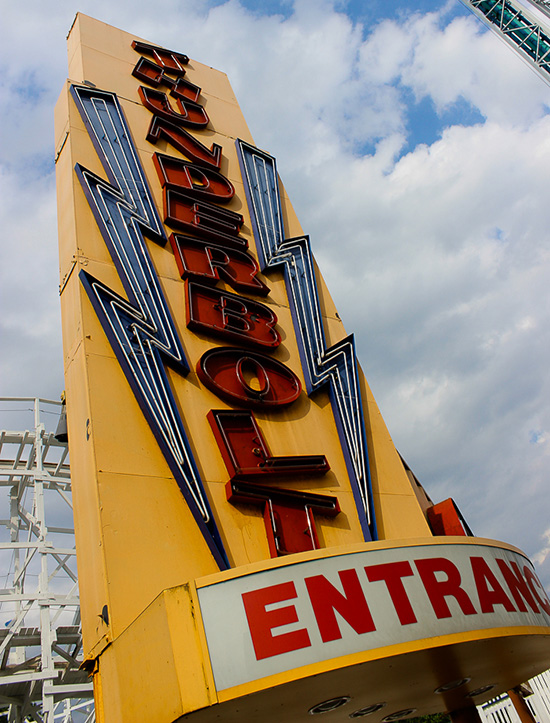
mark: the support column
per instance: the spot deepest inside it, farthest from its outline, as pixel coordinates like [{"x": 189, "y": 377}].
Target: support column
[{"x": 522, "y": 709}]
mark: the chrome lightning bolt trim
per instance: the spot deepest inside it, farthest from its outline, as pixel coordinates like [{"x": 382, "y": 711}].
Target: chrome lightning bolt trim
[
  {"x": 336, "y": 366},
  {"x": 140, "y": 330}
]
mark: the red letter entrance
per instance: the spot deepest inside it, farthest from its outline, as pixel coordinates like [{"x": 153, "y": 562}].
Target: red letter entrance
[{"x": 261, "y": 621}]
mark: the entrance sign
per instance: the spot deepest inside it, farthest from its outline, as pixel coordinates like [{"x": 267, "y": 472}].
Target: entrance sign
[
  {"x": 313, "y": 611},
  {"x": 250, "y": 544}
]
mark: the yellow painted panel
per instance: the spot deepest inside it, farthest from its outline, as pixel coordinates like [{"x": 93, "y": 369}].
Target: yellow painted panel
[
  {"x": 398, "y": 513},
  {"x": 350, "y": 550},
  {"x": 148, "y": 536},
  {"x": 401, "y": 676},
  {"x": 87, "y": 515},
  {"x": 170, "y": 680}
]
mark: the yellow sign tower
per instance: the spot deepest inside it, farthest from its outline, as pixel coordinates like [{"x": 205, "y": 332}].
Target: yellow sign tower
[{"x": 250, "y": 544}]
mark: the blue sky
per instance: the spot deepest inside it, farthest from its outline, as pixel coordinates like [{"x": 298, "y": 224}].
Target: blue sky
[{"x": 415, "y": 148}]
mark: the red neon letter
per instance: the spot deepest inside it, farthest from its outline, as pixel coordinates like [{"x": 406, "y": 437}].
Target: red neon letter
[
  {"x": 517, "y": 585},
  {"x": 288, "y": 514},
  {"x": 248, "y": 378},
  {"x": 203, "y": 219},
  {"x": 216, "y": 312},
  {"x": 392, "y": 574},
  {"x": 489, "y": 596},
  {"x": 246, "y": 454},
  {"x": 261, "y": 621},
  {"x": 150, "y": 72},
  {"x": 191, "y": 114},
  {"x": 206, "y": 262},
  {"x": 438, "y": 590},
  {"x": 289, "y": 521},
  {"x": 170, "y": 61},
  {"x": 185, "y": 143},
  {"x": 203, "y": 184},
  {"x": 352, "y": 605}
]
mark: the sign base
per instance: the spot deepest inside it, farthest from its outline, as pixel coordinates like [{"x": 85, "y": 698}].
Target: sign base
[{"x": 300, "y": 637}]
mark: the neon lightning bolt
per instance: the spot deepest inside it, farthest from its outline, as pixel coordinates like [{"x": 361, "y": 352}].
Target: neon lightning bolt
[
  {"x": 336, "y": 366},
  {"x": 140, "y": 330}
]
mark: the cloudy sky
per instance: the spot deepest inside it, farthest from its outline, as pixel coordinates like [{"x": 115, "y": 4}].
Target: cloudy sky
[{"x": 416, "y": 150}]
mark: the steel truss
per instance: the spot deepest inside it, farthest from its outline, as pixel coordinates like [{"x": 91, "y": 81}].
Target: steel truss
[
  {"x": 40, "y": 636},
  {"x": 544, "y": 5},
  {"x": 521, "y": 26}
]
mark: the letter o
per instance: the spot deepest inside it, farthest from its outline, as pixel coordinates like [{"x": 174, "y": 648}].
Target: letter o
[
  {"x": 246, "y": 364},
  {"x": 247, "y": 378}
]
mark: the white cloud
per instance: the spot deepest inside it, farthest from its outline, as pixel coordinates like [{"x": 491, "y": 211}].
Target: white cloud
[
  {"x": 31, "y": 358},
  {"x": 544, "y": 552},
  {"x": 438, "y": 258},
  {"x": 454, "y": 61}
]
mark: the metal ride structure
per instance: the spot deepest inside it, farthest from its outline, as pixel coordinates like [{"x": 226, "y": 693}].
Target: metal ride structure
[
  {"x": 523, "y": 24},
  {"x": 544, "y": 5},
  {"x": 40, "y": 635}
]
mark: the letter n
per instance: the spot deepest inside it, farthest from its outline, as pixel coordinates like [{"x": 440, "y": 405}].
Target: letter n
[{"x": 326, "y": 600}]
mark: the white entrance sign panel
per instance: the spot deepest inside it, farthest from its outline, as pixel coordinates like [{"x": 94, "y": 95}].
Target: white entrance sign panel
[{"x": 308, "y": 612}]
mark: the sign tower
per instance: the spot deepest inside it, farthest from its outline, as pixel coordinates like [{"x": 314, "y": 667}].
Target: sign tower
[{"x": 250, "y": 544}]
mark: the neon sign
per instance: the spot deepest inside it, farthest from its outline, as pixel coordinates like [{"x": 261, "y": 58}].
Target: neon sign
[{"x": 208, "y": 247}]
